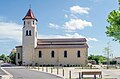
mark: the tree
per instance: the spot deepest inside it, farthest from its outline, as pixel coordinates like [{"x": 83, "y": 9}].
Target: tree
[
  {"x": 113, "y": 30},
  {"x": 91, "y": 57},
  {"x": 3, "y": 57},
  {"x": 12, "y": 56},
  {"x": 97, "y": 58}
]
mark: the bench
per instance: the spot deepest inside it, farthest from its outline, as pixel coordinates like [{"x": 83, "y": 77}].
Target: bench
[{"x": 95, "y": 73}]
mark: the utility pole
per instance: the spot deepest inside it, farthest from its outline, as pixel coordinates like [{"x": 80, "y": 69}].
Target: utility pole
[{"x": 107, "y": 51}]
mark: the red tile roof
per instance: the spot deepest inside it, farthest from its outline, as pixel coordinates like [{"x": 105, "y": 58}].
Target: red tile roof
[
  {"x": 62, "y": 43},
  {"x": 62, "y": 40},
  {"x": 29, "y": 15},
  {"x": 62, "y": 46}
]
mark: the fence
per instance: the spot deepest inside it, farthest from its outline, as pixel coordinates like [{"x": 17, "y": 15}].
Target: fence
[{"x": 65, "y": 72}]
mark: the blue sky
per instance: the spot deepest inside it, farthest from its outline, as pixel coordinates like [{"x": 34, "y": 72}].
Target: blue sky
[{"x": 59, "y": 19}]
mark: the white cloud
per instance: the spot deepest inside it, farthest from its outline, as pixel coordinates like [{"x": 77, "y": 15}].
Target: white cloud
[
  {"x": 66, "y": 16},
  {"x": 52, "y": 25},
  {"x": 92, "y": 39},
  {"x": 79, "y": 10},
  {"x": 75, "y": 35},
  {"x": 70, "y": 16},
  {"x": 11, "y": 31},
  {"x": 75, "y": 24},
  {"x": 14, "y": 31}
]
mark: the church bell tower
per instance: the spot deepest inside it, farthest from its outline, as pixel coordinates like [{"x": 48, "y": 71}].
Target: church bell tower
[{"x": 29, "y": 38}]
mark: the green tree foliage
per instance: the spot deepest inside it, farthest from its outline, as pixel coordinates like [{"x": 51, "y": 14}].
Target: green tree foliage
[
  {"x": 113, "y": 30},
  {"x": 3, "y": 57},
  {"x": 119, "y": 2},
  {"x": 12, "y": 56},
  {"x": 97, "y": 58}
]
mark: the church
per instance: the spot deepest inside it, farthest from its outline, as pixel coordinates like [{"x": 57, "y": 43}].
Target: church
[{"x": 53, "y": 52}]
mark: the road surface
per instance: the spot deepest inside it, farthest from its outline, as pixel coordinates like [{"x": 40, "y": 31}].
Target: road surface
[
  {"x": 2, "y": 72},
  {"x": 22, "y": 73},
  {"x": 110, "y": 73}
]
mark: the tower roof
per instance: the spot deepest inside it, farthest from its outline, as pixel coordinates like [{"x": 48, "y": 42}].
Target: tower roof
[{"x": 29, "y": 15}]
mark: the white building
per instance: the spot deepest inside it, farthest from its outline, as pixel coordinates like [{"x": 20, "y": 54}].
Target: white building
[
  {"x": 66, "y": 51},
  {"x": 117, "y": 59}
]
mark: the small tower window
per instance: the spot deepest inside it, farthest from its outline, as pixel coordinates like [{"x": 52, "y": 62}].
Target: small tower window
[
  {"x": 65, "y": 54},
  {"x": 78, "y": 53},
  {"x": 18, "y": 55},
  {"x": 40, "y": 54},
  {"x": 24, "y": 22},
  {"x": 52, "y": 54},
  {"x": 26, "y": 32},
  {"x": 33, "y": 22},
  {"x": 29, "y": 32}
]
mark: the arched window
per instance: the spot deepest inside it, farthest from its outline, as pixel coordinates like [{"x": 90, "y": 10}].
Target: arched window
[
  {"x": 33, "y": 22},
  {"x": 52, "y": 54},
  {"x": 29, "y": 32},
  {"x": 18, "y": 55},
  {"x": 78, "y": 53},
  {"x": 24, "y": 22},
  {"x": 40, "y": 54},
  {"x": 65, "y": 54},
  {"x": 26, "y": 32}
]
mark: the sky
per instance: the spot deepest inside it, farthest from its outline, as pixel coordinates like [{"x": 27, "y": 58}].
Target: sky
[{"x": 59, "y": 19}]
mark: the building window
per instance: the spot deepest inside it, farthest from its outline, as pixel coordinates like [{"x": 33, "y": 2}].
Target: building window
[
  {"x": 65, "y": 54},
  {"x": 33, "y": 22},
  {"x": 40, "y": 54},
  {"x": 24, "y": 22},
  {"x": 52, "y": 54},
  {"x": 18, "y": 55},
  {"x": 78, "y": 53},
  {"x": 29, "y": 32},
  {"x": 26, "y": 32}
]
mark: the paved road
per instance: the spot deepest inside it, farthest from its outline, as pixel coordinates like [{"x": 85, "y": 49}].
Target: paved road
[
  {"x": 22, "y": 73},
  {"x": 2, "y": 73},
  {"x": 110, "y": 73}
]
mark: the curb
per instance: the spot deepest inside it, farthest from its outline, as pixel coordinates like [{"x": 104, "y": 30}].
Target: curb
[
  {"x": 8, "y": 76},
  {"x": 49, "y": 73}
]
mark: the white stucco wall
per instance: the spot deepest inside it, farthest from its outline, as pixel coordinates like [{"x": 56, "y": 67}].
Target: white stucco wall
[
  {"x": 71, "y": 59},
  {"x": 29, "y": 42},
  {"x": 18, "y": 50}
]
